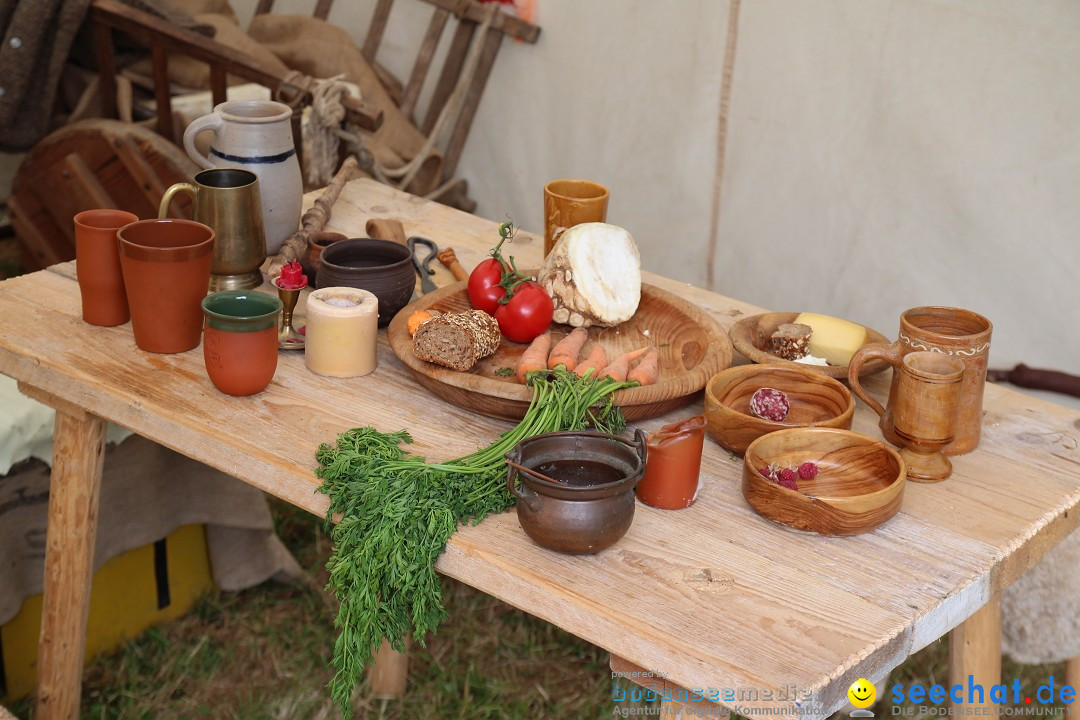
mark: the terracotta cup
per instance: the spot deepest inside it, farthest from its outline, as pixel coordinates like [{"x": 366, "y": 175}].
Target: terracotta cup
[
  {"x": 673, "y": 472},
  {"x": 317, "y": 242},
  {"x": 97, "y": 265},
  {"x": 166, "y": 266},
  {"x": 954, "y": 332},
  {"x": 240, "y": 342},
  {"x": 571, "y": 202},
  {"x": 924, "y": 411}
]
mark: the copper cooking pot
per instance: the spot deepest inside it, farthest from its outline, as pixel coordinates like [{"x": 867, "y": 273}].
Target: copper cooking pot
[{"x": 578, "y": 516}]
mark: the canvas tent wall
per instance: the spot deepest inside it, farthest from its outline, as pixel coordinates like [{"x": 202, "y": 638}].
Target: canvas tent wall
[{"x": 879, "y": 154}]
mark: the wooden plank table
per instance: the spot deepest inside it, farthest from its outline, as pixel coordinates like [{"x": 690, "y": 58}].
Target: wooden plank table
[{"x": 712, "y": 597}]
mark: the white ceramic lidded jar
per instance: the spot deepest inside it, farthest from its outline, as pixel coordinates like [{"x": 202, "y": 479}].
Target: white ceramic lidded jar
[{"x": 256, "y": 135}]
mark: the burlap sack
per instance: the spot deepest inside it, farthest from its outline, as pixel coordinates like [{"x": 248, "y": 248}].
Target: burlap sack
[
  {"x": 202, "y": 7},
  {"x": 317, "y": 48},
  {"x": 147, "y": 491},
  {"x": 193, "y": 74}
]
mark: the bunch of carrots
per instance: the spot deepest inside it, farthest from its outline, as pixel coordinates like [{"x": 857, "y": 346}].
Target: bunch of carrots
[{"x": 540, "y": 355}]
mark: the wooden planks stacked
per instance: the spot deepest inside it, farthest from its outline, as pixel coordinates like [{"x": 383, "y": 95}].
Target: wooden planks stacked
[{"x": 713, "y": 596}]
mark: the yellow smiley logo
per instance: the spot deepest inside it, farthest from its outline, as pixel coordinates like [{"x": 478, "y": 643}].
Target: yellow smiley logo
[{"x": 862, "y": 693}]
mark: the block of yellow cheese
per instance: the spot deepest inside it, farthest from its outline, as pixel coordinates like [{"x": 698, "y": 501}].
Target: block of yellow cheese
[{"x": 834, "y": 339}]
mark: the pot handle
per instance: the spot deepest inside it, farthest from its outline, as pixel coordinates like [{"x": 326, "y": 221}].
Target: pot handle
[
  {"x": 524, "y": 494},
  {"x": 642, "y": 443}
]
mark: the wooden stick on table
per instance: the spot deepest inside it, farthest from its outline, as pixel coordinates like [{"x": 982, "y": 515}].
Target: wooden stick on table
[{"x": 314, "y": 220}]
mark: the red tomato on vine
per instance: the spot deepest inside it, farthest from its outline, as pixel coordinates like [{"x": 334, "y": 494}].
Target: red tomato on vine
[
  {"x": 484, "y": 289},
  {"x": 526, "y": 314},
  {"x": 520, "y": 304}
]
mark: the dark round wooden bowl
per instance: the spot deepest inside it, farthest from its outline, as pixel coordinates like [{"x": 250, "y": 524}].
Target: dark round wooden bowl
[
  {"x": 860, "y": 481},
  {"x": 815, "y": 401},
  {"x": 381, "y": 267},
  {"x": 751, "y": 336}
]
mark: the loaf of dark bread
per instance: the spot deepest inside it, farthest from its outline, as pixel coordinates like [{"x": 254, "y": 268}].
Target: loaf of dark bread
[
  {"x": 457, "y": 340},
  {"x": 791, "y": 341}
]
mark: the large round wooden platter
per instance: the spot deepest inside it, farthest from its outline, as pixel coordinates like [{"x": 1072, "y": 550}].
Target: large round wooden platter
[{"x": 693, "y": 347}]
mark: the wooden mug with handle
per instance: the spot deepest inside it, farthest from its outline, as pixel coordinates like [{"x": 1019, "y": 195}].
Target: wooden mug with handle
[
  {"x": 924, "y": 408},
  {"x": 953, "y": 332}
]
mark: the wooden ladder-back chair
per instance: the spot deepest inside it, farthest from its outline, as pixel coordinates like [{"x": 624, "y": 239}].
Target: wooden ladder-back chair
[
  {"x": 109, "y": 164},
  {"x": 459, "y": 78},
  {"x": 164, "y": 38}
]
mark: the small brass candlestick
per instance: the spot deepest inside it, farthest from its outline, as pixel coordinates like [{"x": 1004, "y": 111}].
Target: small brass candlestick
[{"x": 288, "y": 338}]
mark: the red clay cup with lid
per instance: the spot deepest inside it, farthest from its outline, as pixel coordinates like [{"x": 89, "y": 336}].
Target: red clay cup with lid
[
  {"x": 240, "y": 341},
  {"x": 166, "y": 267},
  {"x": 97, "y": 265}
]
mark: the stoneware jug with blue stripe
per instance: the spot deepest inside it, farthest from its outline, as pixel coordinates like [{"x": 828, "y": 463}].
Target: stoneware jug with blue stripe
[{"x": 256, "y": 135}]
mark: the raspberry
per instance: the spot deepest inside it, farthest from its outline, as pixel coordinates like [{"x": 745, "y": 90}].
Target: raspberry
[
  {"x": 765, "y": 473},
  {"x": 790, "y": 484},
  {"x": 808, "y": 471},
  {"x": 787, "y": 475}
]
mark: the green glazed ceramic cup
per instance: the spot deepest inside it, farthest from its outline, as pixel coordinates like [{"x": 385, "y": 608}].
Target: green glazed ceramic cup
[{"x": 240, "y": 343}]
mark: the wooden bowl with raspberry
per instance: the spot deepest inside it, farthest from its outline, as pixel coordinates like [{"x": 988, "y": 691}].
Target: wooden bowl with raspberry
[
  {"x": 739, "y": 409},
  {"x": 825, "y": 481}
]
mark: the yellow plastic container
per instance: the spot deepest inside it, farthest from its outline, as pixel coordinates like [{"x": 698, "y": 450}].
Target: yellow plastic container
[{"x": 131, "y": 592}]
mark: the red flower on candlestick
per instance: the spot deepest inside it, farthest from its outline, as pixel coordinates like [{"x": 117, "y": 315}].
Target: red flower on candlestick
[{"x": 292, "y": 277}]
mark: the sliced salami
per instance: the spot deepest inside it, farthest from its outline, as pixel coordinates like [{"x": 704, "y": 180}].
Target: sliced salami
[{"x": 770, "y": 404}]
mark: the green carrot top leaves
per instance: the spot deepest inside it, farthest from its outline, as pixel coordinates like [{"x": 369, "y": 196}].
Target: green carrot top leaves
[{"x": 397, "y": 513}]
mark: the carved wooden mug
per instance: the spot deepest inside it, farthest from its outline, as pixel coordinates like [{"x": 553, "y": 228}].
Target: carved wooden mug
[
  {"x": 924, "y": 408},
  {"x": 571, "y": 202},
  {"x": 948, "y": 331}
]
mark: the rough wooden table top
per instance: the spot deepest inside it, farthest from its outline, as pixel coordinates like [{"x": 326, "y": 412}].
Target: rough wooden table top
[{"x": 713, "y": 597}]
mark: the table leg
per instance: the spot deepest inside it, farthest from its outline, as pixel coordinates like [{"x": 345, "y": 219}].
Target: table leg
[
  {"x": 1072, "y": 677},
  {"x": 975, "y": 650},
  {"x": 388, "y": 674},
  {"x": 78, "y": 457}
]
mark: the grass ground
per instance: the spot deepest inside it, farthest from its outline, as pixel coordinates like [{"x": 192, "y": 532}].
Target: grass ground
[{"x": 263, "y": 654}]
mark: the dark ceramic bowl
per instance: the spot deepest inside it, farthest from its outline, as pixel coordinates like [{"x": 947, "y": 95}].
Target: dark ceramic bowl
[{"x": 381, "y": 267}]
